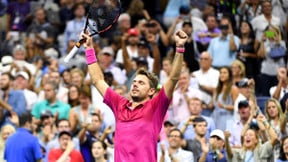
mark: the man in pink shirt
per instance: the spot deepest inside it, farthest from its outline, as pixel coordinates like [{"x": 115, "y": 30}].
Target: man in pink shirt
[{"x": 138, "y": 120}]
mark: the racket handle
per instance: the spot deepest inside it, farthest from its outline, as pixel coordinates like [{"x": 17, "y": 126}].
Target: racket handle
[{"x": 72, "y": 52}]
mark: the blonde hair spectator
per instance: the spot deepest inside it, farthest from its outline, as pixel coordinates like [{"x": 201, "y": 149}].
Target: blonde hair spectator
[{"x": 6, "y": 131}]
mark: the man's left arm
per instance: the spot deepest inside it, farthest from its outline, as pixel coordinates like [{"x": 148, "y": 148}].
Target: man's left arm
[{"x": 180, "y": 39}]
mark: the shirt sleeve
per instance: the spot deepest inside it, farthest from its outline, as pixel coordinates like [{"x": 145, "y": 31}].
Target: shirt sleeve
[
  {"x": 266, "y": 150},
  {"x": 112, "y": 99},
  {"x": 37, "y": 150},
  {"x": 161, "y": 102}
]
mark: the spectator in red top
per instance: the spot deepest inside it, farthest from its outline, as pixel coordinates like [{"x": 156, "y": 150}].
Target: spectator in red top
[{"x": 66, "y": 152}]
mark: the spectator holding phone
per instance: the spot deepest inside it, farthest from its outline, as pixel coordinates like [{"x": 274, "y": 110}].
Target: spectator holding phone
[{"x": 273, "y": 49}]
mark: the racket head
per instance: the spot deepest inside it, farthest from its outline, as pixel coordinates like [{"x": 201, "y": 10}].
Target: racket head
[{"x": 102, "y": 15}]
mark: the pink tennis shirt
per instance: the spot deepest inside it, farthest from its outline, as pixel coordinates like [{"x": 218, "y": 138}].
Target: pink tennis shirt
[{"x": 137, "y": 130}]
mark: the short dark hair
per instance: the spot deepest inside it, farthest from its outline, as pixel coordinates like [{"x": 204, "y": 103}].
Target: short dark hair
[
  {"x": 85, "y": 91},
  {"x": 198, "y": 120},
  {"x": 60, "y": 120},
  {"x": 10, "y": 76},
  {"x": 176, "y": 130},
  {"x": 24, "y": 118},
  {"x": 153, "y": 79}
]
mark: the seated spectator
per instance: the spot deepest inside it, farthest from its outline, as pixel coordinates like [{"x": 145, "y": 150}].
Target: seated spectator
[
  {"x": 175, "y": 152},
  {"x": 77, "y": 77},
  {"x": 187, "y": 125},
  {"x": 283, "y": 156},
  {"x": 214, "y": 150},
  {"x": 6, "y": 131},
  {"x": 66, "y": 150},
  {"x": 51, "y": 103}
]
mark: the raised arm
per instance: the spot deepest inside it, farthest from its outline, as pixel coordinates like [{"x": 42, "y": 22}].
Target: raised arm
[
  {"x": 180, "y": 39},
  {"x": 94, "y": 69},
  {"x": 155, "y": 53}
]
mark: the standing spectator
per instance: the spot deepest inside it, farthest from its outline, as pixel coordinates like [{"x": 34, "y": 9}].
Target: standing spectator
[
  {"x": 136, "y": 11},
  {"x": 172, "y": 11},
  {"x": 6, "y": 131},
  {"x": 223, "y": 48},
  {"x": 260, "y": 22},
  {"x": 249, "y": 9},
  {"x": 14, "y": 98},
  {"x": 175, "y": 152},
  {"x": 23, "y": 142},
  {"x": 279, "y": 91},
  {"x": 51, "y": 103},
  {"x": 248, "y": 51},
  {"x": 225, "y": 96},
  {"x": 66, "y": 152},
  {"x": 207, "y": 78},
  {"x": 270, "y": 45},
  {"x": 166, "y": 70}
]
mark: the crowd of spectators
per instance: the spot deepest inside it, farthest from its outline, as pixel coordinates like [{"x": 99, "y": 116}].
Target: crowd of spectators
[{"x": 230, "y": 102}]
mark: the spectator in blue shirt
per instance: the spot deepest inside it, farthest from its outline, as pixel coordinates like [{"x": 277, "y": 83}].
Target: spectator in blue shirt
[
  {"x": 14, "y": 98},
  {"x": 22, "y": 146}
]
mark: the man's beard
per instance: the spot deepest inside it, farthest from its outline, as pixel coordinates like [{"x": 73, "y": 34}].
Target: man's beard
[
  {"x": 137, "y": 99},
  {"x": 5, "y": 87}
]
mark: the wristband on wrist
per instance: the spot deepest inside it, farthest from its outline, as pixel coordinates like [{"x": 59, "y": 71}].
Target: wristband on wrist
[
  {"x": 180, "y": 49},
  {"x": 90, "y": 56}
]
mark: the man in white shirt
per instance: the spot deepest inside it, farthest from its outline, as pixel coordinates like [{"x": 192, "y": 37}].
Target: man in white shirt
[
  {"x": 261, "y": 22},
  {"x": 207, "y": 78}
]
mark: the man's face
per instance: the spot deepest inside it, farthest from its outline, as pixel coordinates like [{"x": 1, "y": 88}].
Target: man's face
[
  {"x": 244, "y": 113},
  {"x": 140, "y": 88},
  {"x": 133, "y": 40},
  {"x": 95, "y": 123},
  {"x": 55, "y": 77},
  {"x": 63, "y": 126},
  {"x": 266, "y": 8},
  {"x": 174, "y": 139},
  {"x": 224, "y": 22},
  {"x": 187, "y": 29},
  {"x": 195, "y": 107},
  {"x": 20, "y": 82},
  {"x": 245, "y": 91},
  {"x": 19, "y": 55},
  {"x": 201, "y": 128},
  {"x": 5, "y": 82},
  {"x": 205, "y": 61},
  {"x": 143, "y": 51},
  {"x": 49, "y": 92},
  {"x": 63, "y": 141},
  {"x": 184, "y": 80},
  {"x": 84, "y": 100},
  {"x": 211, "y": 22}
]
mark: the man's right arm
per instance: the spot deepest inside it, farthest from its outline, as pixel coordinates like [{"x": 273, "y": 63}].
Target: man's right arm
[{"x": 94, "y": 69}]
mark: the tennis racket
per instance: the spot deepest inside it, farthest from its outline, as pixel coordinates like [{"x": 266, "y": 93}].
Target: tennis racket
[{"x": 101, "y": 16}]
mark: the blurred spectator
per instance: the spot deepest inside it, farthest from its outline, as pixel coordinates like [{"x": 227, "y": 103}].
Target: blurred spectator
[
  {"x": 41, "y": 32},
  {"x": 249, "y": 9},
  {"x": 166, "y": 69},
  {"x": 62, "y": 92},
  {"x": 14, "y": 98},
  {"x": 99, "y": 151},
  {"x": 223, "y": 48},
  {"x": 238, "y": 71},
  {"x": 224, "y": 98},
  {"x": 283, "y": 150},
  {"x": 248, "y": 51},
  {"x": 174, "y": 152},
  {"x": 187, "y": 125},
  {"x": 124, "y": 23},
  {"x": 280, "y": 10},
  {"x": 6, "y": 131},
  {"x": 51, "y": 103},
  {"x": 73, "y": 96},
  {"x": 204, "y": 36},
  {"x": 66, "y": 78},
  {"x": 207, "y": 78},
  {"x": 77, "y": 77},
  {"x": 136, "y": 11},
  {"x": 66, "y": 150},
  {"x": 23, "y": 142},
  {"x": 21, "y": 82},
  {"x": 65, "y": 13},
  {"x": 214, "y": 150},
  {"x": 260, "y": 22},
  {"x": 279, "y": 91},
  {"x": 172, "y": 11},
  {"x": 182, "y": 93},
  {"x": 270, "y": 45}
]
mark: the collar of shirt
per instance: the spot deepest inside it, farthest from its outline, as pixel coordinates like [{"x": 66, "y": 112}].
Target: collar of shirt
[
  {"x": 54, "y": 105},
  {"x": 24, "y": 130},
  {"x": 129, "y": 106},
  {"x": 224, "y": 39}
]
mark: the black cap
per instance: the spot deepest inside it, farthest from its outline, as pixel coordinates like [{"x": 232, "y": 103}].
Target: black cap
[
  {"x": 170, "y": 123},
  {"x": 243, "y": 104},
  {"x": 187, "y": 22},
  {"x": 65, "y": 132},
  {"x": 46, "y": 114},
  {"x": 242, "y": 83},
  {"x": 199, "y": 120},
  {"x": 143, "y": 43},
  {"x": 142, "y": 60},
  {"x": 184, "y": 9}
]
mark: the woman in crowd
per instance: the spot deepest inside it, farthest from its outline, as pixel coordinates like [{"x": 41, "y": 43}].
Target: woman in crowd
[
  {"x": 66, "y": 78},
  {"x": 274, "y": 50},
  {"x": 6, "y": 131},
  {"x": 283, "y": 156},
  {"x": 77, "y": 77},
  {"x": 238, "y": 71},
  {"x": 73, "y": 96},
  {"x": 226, "y": 94},
  {"x": 99, "y": 151},
  {"x": 252, "y": 149}
]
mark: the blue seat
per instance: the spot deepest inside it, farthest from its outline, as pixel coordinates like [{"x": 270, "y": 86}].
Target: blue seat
[{"x": 261, "y": 101}]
